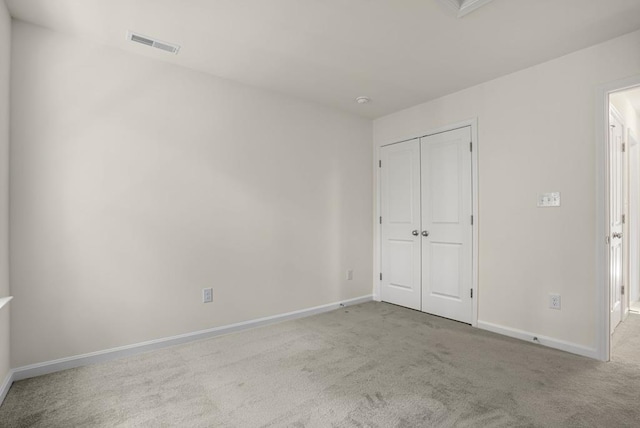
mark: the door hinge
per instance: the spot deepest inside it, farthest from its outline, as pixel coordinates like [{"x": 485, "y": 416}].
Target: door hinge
[
  {"x": 471, "y": 146},
  {"x": 471, "y": 220},
  {"x": 624, "y": 147},
  {"x": 472, "y": 293},
  {"x": 607, "y": 240},
  {"x": 622, "y": 289},
  {"x": 624, "y": 219},
  {"x": 380, "y": 276},
  {"x": 380, "y": 219},
  {"x": 379, "y": 164}
]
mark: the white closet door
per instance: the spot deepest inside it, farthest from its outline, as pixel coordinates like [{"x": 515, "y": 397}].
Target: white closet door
[
  {"x": 446, "y": 223},
  {"x": 400, "y": 200}
]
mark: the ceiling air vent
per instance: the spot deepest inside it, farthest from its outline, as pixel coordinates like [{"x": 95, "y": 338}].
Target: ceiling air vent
[{"x": 155, "y": 43}]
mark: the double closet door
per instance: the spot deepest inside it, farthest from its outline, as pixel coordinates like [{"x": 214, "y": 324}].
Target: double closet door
[{"x": 426, "y": 207}]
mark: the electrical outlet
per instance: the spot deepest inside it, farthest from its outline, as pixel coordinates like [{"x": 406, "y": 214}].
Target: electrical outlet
[
  {"x": 349, "y": 274},
  {"x": 207, "y": 295},
  {"x": 554, "y": 301}
]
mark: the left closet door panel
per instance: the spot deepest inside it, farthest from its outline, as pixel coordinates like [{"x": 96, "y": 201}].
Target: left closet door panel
[{"x": 401, "y": 246}]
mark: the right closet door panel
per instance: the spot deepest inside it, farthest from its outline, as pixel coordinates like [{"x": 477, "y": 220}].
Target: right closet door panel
[{"x": 446, "y": 200}]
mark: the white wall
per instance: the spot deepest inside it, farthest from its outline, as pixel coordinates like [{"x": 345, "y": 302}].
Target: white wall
[
  {"x": 634, "y": 222},
  {"x": 137, "y": 183},
  {"x": 536, "y": 134},
  {"x": 5, "y": 58}
]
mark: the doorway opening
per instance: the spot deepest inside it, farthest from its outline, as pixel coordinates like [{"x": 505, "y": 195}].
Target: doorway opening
[{"x": 621, "y": 214}]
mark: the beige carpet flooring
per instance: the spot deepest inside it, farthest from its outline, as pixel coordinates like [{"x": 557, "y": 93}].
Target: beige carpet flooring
[{"x": 371, "y": 365}]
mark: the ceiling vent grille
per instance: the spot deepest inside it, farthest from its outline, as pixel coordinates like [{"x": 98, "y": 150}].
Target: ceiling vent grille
[{"x": 154, "y": 43}]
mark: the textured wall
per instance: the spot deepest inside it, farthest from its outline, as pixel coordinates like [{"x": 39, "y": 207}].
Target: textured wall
[{"x": 137, "y": 183}]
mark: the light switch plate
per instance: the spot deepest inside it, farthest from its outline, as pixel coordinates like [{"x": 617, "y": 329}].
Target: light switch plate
[{"x": 547, "y": 200}]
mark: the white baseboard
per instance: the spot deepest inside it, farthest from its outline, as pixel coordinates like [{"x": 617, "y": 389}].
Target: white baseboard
[
  {"x": 137, "y": 348},
  {"x": 4, "y": 388},
  {"x": 541, "y": 340}
]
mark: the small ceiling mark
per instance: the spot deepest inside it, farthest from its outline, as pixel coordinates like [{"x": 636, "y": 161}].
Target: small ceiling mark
[{"x": 463, "y": 7}]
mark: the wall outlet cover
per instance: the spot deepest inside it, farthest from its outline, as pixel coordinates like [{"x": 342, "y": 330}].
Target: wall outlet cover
[
  {"x": 207, "y": 295},
  {"x": 554, "y": 301}
]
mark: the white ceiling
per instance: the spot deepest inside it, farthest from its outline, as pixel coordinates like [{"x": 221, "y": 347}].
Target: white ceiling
[
  {"x": 463, "y": 7},
  {"x": 398, "y": 52}
]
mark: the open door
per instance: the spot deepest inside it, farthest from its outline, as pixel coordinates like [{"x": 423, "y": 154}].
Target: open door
[{"x": 616, "y": 203}]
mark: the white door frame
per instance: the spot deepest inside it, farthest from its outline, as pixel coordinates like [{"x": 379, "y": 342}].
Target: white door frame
[
  {"x": 377, "y": 234},
  {"x": 603, "y": 339}
]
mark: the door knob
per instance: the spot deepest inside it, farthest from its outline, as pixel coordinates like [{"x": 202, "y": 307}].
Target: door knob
[
  {"x": 415, "y": 233},
  {"x": 617, "y": 235},
  {"x": 425, "y": 233}
]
